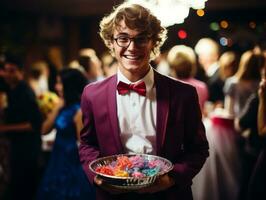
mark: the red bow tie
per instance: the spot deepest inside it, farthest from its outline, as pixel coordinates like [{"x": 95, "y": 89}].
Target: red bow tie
[{"x": 124, "y": 88}]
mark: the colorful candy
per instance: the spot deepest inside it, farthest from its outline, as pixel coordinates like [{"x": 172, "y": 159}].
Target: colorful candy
[
  {"x": 133, "y": 166},
  {"x": 121, "y": 173},
  {"x": 105, "y": 170}
]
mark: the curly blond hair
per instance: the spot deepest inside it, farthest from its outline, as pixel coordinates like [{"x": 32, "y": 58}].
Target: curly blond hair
[{"x": 136, "y": 17}]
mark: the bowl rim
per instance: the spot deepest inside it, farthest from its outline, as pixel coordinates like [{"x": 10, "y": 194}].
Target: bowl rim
[{"x": 131, "y": 178}]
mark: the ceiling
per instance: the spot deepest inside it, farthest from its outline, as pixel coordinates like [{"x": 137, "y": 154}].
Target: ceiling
[{"x": 96, "y": 7}]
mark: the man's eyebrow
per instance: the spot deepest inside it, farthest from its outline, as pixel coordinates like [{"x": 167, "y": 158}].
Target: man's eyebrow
[
  {"x": 126, "y": 34},
  {"x": 123, "y": 34}
]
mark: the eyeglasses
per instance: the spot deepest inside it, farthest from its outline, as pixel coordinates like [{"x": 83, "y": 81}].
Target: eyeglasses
[{"x": 125, "y": 41}]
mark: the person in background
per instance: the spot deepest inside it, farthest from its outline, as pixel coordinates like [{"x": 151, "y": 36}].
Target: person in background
[
  {"x": 3, "y": 90},
  {"x": 37, "y": 78},
  {"x": 243, "y": 84},
  {"x": 54, "y": 58},
  {"x": 247, "y": 122},
  {"x": 228, "y": 64},
  {"x": 4, "y": 144},
  {"x": 139, "y": 110},
  {"x": 256, "y": 189},
  {"x": 182, "y": 62},
  {"x": 38, "y": 75},
  {"x": 64, "y": 177},
  {"x": 22, "y": 127},
  {"x": 161, "y": 65},
  {"x": 91, "y": 64},
  {"x": 208, "y": 52},
  {"x": 109, "y": 64}
]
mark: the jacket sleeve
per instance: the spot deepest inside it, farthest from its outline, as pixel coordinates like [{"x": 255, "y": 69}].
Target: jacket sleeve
[{"x": 88, "y": 149}]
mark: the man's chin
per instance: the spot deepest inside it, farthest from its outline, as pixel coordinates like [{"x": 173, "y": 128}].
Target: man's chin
[
  {"x": 132, "y": 67},
  {"x": 133, "y": 63},
  {"x": 135, "y": 70}
]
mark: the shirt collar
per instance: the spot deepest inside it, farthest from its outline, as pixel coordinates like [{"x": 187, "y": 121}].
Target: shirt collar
[
  {"x": 212, "y": 69},
  {"x": 148, "y": 79}
]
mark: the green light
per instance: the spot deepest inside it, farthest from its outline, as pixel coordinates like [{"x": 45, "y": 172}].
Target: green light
[{"x": 214, "y": 26}]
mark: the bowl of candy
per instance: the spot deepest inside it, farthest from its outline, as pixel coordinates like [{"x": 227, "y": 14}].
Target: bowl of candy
[{"x": 130, "y": 171}]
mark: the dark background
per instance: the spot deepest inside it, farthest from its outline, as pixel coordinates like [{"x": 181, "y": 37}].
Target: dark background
[{"x": 32, "y": 26}]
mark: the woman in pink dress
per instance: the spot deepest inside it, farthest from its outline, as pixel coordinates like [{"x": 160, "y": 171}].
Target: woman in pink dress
[{"x": 182, "y": 62}]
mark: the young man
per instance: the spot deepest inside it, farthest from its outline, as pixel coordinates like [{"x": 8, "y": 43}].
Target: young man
[{"x": 162, "y": 118}]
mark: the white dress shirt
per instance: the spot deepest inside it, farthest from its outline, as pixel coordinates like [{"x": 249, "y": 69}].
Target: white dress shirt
[{"x": 137, "y": 116}]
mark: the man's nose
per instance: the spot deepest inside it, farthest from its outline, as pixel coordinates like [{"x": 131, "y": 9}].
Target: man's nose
[{"x": 132, "y": 44}]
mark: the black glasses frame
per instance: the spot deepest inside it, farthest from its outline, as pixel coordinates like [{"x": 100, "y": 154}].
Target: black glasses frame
[{"x": 139, "y": 41}]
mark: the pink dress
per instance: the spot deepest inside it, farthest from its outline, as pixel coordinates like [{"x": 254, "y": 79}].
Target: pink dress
[{"x": 201, "y": 88}]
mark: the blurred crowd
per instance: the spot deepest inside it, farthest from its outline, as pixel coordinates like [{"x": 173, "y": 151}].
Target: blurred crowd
[{"x": 34, "y": 97}]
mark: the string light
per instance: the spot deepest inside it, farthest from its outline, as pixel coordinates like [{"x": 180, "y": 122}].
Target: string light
[
  {"x": 200, "y": 12},
  {"x": 223, "y": 41},
  {"x": 171, "y": 12},
  {"x": 224, "y": 24},
  {"x": 182, "y": 34},
  {"x": 214, "y": 26}
]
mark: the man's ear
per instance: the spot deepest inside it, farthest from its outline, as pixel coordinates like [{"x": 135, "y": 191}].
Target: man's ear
[{"x": 110, "y": 44}]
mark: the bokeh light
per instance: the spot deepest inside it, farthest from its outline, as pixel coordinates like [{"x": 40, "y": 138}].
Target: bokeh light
[
  {"x": 214, "y": 26},
  {"x": 224, "y": 24},
  {"x": 223, "y": 41},
  {"x": 200, "y": 12},
  {"x": 252, "y": 24},
  {"x": 182, "y": 34}
]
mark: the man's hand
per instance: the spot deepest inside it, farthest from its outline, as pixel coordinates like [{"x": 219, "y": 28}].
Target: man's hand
[
  {"x": 112, "y": 190},
  {"x": 162, "y": 183}
]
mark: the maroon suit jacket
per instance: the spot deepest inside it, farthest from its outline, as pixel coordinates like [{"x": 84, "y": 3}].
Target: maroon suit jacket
[{"x": 180, "y": 133}]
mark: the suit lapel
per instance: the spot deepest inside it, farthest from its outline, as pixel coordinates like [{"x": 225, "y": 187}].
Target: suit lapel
[
  {"x": 112, "y": 111},
  {"x": 162, "y": 96}
]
